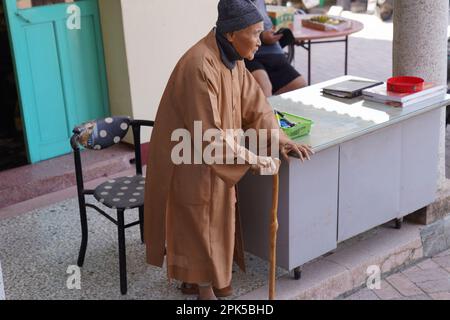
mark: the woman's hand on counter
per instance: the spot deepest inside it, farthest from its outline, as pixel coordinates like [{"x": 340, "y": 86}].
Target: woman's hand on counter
[{"x": 301, "y": 151}]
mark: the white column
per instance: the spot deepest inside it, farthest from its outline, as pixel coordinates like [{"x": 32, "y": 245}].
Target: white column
[
  {"x": 2, "y": 290},
  {"x": 420, "y": 49}
]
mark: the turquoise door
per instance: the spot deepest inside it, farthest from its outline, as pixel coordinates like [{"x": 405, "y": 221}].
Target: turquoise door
[{"x": 60, "y": 72}]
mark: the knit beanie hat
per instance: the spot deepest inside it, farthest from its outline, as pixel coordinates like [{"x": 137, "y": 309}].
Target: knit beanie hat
[{"x": 235, "y": 15}]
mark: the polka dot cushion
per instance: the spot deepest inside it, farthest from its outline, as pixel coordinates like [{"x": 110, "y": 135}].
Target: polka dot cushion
[
  {"x": 122, "y": 193},
  {"x": 103, "y": 133}
]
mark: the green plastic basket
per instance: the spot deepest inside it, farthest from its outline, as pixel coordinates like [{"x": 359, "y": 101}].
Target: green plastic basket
[{"x": 302, "y": 127}]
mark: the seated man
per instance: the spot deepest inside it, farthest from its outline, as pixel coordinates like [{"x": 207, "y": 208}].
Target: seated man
[{"x": 270, "y": 66}]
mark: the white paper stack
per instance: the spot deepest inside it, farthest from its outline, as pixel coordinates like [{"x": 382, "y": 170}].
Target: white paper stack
[{"x": 380, "y": 94}]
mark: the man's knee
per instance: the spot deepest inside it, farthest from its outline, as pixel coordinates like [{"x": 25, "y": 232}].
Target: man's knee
[
  {"x": 298, "y": 83},
  {"x": 295, "y": 84}
]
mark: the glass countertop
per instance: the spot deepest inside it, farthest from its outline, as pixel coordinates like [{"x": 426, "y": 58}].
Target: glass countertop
[{"x": 337, "y": 120}]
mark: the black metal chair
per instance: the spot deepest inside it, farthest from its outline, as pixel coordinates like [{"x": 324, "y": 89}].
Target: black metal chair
[{"x": 119, "y": 194}]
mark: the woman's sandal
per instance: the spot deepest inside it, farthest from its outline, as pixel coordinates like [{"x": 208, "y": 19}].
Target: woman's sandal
[{"x": 191, "y": 289}]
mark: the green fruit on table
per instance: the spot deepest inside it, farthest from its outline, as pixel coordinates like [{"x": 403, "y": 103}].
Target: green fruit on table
[
  {"x": 325, "y": 19},
  {"x": 321, "y": 19}
]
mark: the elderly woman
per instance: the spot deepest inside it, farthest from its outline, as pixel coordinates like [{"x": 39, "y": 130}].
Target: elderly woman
[{"x": 190, "y": 211}]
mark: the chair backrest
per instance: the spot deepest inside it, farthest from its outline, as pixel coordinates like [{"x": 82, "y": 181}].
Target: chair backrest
[{"x": 102, "y": 133}]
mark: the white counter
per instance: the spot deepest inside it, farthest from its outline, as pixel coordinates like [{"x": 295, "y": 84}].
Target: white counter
[{"x": 373, "y": 164}]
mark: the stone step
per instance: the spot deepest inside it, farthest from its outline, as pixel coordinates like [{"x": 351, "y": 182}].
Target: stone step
[
  {"x": 347, "y": 269},
  {"x": 31, "y": 181}
]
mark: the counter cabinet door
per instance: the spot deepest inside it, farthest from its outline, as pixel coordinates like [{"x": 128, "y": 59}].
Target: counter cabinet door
[
  {"x": 369, "y": 181},
  {"x": 307, "y": 212}
]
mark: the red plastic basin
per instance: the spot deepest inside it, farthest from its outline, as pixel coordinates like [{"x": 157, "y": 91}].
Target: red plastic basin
[{"x": 405, "y": 84}]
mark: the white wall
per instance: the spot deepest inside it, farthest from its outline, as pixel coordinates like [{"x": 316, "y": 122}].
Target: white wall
[
  {"x": 157, "y": 33},
  {"x": 115, "y": 57}
]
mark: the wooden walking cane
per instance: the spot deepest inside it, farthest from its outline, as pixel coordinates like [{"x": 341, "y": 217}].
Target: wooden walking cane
[{"x": 273, "y": 236}]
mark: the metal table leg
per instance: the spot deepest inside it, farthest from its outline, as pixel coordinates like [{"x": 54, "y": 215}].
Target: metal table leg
[
  {"x": 398, "y": 223},
  {"x": 308, "y": 47},
  {"x": 309, "y": 62}
]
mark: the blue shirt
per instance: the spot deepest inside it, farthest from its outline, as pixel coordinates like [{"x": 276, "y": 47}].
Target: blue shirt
[{"x": 268, "y": 25}]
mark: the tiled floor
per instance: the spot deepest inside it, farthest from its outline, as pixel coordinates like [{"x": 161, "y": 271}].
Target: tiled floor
[{"x": 428, "y": 280}]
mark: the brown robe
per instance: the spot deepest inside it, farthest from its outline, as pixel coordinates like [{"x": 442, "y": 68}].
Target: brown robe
[{"x": 190, "y": 209}]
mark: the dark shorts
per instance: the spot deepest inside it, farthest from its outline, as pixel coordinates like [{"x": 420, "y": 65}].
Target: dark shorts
[{"x": 280, "y": 71}]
